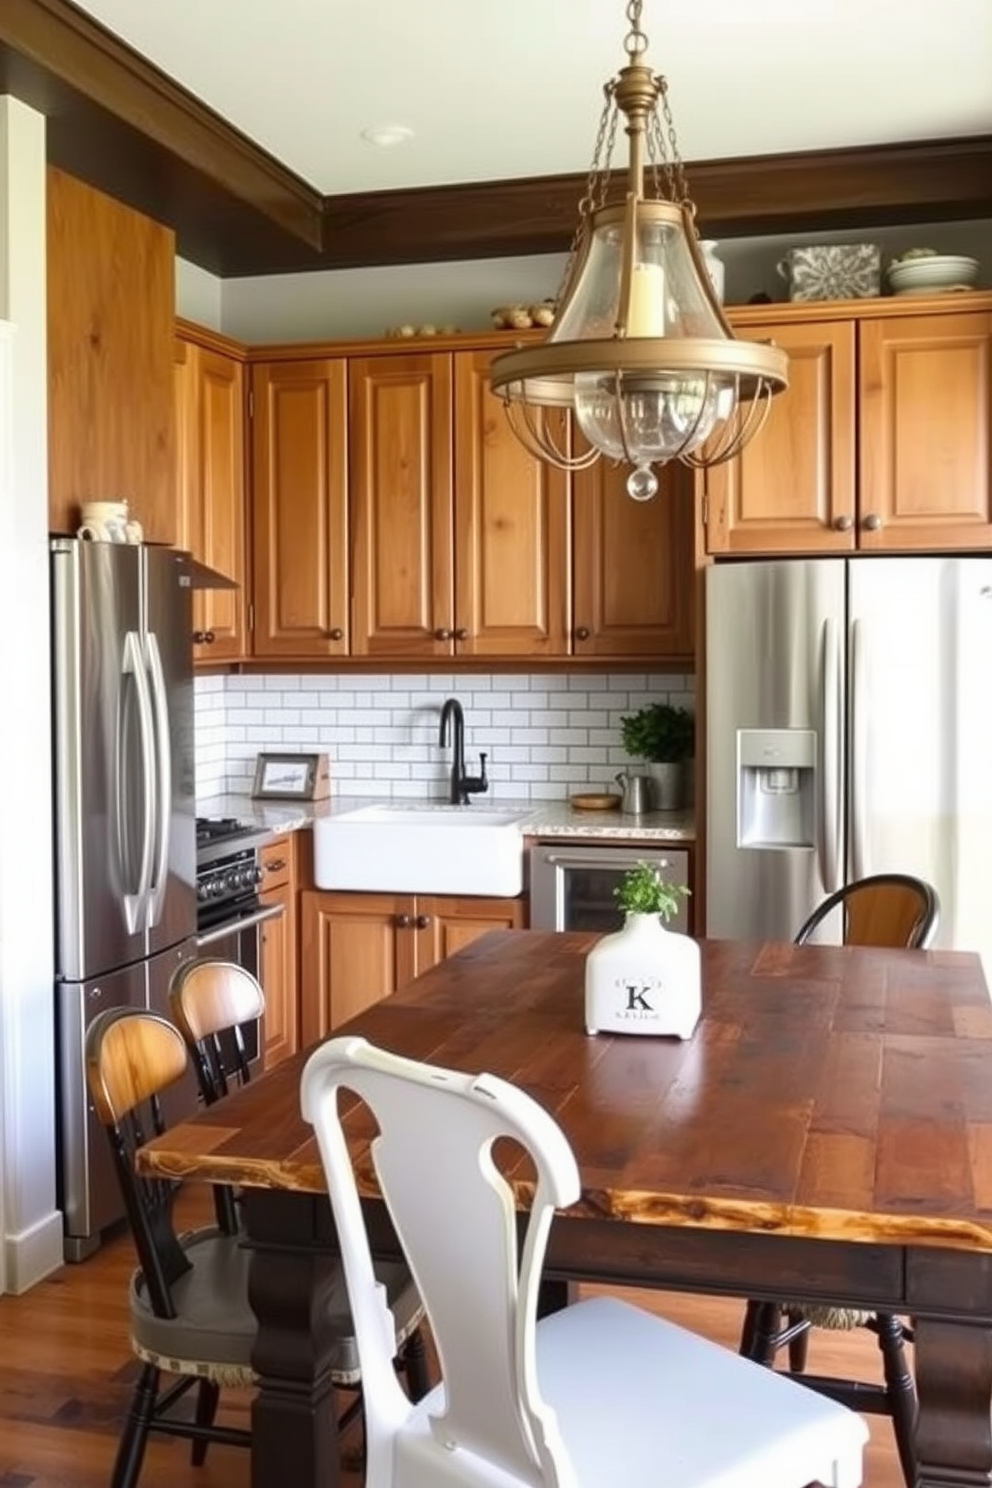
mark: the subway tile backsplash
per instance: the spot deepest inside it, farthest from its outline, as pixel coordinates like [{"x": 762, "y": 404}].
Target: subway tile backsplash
[{"x": 545, "y": 734}]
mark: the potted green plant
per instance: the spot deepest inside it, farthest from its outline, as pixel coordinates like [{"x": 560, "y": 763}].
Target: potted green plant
[
  {"x": 642, "y": 890},
  {"x": 644, "y": 978},
  {"x": 664, "y": 735}
]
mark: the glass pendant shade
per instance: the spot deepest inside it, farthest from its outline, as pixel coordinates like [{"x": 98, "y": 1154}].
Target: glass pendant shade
[{"x": 640, "y": 351}]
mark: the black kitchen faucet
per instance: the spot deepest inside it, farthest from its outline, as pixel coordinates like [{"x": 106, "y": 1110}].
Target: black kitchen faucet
[{"x": 462, "y": 785}]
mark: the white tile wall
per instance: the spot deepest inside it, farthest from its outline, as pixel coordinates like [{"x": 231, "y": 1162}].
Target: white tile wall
[{"x": 545, "y": 733}]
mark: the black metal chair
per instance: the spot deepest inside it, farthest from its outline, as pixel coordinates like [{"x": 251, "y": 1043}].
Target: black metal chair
[{"x": 884, "y": 909}]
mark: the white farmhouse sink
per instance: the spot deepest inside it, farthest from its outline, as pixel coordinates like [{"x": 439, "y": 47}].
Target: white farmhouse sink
[{"x": 398, "y": 849}]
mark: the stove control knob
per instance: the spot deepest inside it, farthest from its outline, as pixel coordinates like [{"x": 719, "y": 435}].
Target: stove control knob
[{"x": 203, "y": 891}]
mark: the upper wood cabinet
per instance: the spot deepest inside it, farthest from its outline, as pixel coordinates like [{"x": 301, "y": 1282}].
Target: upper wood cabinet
[
  {"x": 111, "y": 309},
  {"x": 210, "y": 484},
  {"x": 793, "y": 486},
  {"x": 511, "y": 531},
  {"x": 925, "y": 399},
  {"x": 631, "y": 565},
  {"x": 881, "y": 443},
  {"x": 300, "y": 508},
  {"x": 400, "y": 420}
]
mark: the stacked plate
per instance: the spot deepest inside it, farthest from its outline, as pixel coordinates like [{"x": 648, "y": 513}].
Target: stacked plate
[{"x": 932, "y": 273}]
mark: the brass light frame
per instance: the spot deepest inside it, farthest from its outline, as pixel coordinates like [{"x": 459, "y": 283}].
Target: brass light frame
[{"x": 722, "y": 387}]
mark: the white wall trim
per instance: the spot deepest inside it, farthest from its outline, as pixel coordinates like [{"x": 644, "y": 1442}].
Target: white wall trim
[{"x": 33, "y": 1254}]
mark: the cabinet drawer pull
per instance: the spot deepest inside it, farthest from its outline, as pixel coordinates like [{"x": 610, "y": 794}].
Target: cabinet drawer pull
[
  {"x": 442, "y": 633},
  {"x": 461, "y": 634},
  {"x": 873, "y": 522},
  {"x": 844, "y": 523},
  {"x": 274, "y": 867},
  {"x": 337, "y": 634},
  {"x": 404, "y": 922},
  {"x": 582, "y": 633},
  {"x": 422, "y": 921}
]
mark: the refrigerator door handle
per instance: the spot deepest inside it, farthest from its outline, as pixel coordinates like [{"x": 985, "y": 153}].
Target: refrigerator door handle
[
  {"x": 135, "y": 904},
  {"x": 163, "y": 757},
  {"x": 859, "y": 748},
  {"x": 830, "y": 785}
]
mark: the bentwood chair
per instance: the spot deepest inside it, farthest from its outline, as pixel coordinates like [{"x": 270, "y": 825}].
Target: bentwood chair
[
  {"x": 211, "y": 1001},
  {"x": 189, "y": 1310},
  {"x": 885, "y": 909},
  {"x": 599, "y": 1393}
]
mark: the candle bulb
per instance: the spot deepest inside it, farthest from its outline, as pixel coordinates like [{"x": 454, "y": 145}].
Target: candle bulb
[{"x": 646, "y": 307}]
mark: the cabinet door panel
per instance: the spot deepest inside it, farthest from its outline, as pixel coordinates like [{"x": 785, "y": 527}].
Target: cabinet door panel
[
  {"x": 300, "y": 508},
  {"x": 348, "y": 954},
  {"x": 221, "y": 537},
  {"x": 400, "y": 421},
  {"x": 511, "y": 527},
  {"x": 633, "y": 565},
  {"x": 792, "y": 487},
  {"x": 926, "y": 415},
  {"x": 277, "y": 974},
  {"x": 454, "y": 922}
]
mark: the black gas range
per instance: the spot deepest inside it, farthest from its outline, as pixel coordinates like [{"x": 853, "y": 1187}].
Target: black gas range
[{"x": 227, "y": 870}]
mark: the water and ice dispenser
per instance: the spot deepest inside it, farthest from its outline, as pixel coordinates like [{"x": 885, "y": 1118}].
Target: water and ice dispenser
[{"x": 776, "y": 787}]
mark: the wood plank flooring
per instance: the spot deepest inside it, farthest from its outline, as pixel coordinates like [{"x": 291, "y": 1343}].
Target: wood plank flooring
[{"x": 66, "y": 1370}]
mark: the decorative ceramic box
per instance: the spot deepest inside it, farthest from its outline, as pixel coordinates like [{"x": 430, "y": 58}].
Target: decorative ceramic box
[{"x": 835, "y": 271}]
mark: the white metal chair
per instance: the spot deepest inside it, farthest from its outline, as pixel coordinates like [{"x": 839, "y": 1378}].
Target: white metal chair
[{"x": 601, "y": 1393}]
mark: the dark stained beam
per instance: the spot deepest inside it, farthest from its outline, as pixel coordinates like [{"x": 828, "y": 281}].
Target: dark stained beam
[{"x": 119, "y": 123}]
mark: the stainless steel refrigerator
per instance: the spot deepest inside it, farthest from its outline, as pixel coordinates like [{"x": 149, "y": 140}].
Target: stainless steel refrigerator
[
  {"x": 848, "y": 732},
  {"x": 125, "y": 831}
]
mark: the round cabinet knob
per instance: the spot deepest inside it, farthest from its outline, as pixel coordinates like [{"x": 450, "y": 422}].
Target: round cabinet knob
[
  {"x": 442, "y": 633},
  {"x": 199, "y": 636},
  {"x": 209, "y": 637},
  {"x": 844, "y": 523},
  {"x": 404, "y": 921},
  {"x": 461, "y": 634},
  {"x": 337, "y": 634},
  {"x": 422, "y": 921},
  {"x": 582, "y": 633},
  {"x": 873, "y": 522}
]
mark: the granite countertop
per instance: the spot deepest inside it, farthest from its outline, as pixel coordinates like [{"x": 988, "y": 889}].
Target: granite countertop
[{"x": 550, "y": 819}]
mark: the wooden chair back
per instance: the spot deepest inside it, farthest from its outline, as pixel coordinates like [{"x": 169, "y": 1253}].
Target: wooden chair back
[
  {"x": 131, "y": 1058},
  {"x": 885, "y": 909},
  {"x": 210, "y": 1000}
]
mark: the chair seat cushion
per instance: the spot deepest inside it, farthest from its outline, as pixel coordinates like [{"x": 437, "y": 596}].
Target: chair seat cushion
[
  {"x": 213, "y": 1333},
  {"x": 646, "y": 1404}
]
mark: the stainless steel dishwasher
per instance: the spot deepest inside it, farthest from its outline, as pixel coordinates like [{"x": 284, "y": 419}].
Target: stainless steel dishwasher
[{"x": 572, "y": 884}]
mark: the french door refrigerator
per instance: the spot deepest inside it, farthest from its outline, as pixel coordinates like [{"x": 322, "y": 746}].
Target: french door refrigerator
[
  {"x": 849, "y": 731},
  {"x": 125, "y": 833}
]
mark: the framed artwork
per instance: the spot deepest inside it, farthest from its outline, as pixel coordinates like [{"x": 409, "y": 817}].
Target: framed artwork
[{"x": 288, "y": 777}]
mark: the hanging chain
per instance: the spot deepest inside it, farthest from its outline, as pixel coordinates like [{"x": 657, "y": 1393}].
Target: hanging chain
[
  {"x": 635, "y": 43},
  {"x": 597, "y": 181},
  {"x": 675, "y": 171}
]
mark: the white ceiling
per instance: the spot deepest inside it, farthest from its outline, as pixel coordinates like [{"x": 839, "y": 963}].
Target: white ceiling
[{"x": 501, "y": 88}]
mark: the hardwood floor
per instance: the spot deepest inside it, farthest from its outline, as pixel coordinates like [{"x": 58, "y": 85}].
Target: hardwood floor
[{"x": 66, "y": 1369}]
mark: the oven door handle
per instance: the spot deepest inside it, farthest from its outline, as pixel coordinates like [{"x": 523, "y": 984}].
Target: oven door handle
[{"x": 233, "y": 927}]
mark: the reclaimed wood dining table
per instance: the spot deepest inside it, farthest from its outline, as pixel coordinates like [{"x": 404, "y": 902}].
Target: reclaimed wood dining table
[{"x": 826, "y": 1134}]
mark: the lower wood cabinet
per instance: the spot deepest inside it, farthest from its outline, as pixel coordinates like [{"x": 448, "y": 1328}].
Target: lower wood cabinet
[
  {"x": 278, "y": 969},
  {"x": 358, "y": 948}
]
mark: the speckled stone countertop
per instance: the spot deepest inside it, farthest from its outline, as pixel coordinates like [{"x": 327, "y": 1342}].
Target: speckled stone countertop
[{"x": 551, "y": 819}]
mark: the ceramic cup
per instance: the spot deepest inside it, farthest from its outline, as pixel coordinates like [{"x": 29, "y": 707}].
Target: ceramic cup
[
  {"x": 105, "y": 521},
  {"x": 133, "y": 532}
]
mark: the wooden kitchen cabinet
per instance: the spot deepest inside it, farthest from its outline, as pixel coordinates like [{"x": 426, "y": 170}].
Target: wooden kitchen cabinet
[
  {"x": 632, "y": 569},
  {"x": 209, "y": 388},
  {"x": 881, "y": 443},
  {"x": 359, "y": 948},
  {"x": 279, "y": 971},
  {"x": 793, "y": 486},
  {"x": 925, "y": 402},
  {"x": 111, "y": 313},
  {"x": 400, "y": 419},
  {"x": 300, "y": 508}
]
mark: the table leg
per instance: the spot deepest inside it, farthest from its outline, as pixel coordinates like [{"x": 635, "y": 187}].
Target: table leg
[
  {"x": 954, "y": 1384},
  {"x": 293, "y": 1420}
]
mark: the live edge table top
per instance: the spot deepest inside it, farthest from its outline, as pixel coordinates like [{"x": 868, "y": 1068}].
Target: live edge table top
[{"x": 837, "y": 1093}]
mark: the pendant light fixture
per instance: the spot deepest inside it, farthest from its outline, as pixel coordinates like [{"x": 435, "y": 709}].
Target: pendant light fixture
[{"x": 640, "y": 351}]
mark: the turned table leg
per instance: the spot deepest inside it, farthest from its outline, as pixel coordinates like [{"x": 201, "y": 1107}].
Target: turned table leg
[{"x": 954, "y": 1384}]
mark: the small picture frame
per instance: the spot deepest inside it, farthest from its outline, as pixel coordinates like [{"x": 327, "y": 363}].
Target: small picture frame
[{"x": 290, "y": 777}]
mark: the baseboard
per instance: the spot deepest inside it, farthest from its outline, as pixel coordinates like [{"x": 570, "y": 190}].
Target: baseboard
[{"x": 33, "y": 1254}]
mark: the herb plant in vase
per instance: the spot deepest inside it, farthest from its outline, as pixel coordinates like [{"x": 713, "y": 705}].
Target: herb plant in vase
[
  {"x": 644, "y": 978},
  {"x": 665, "y": 736}
]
